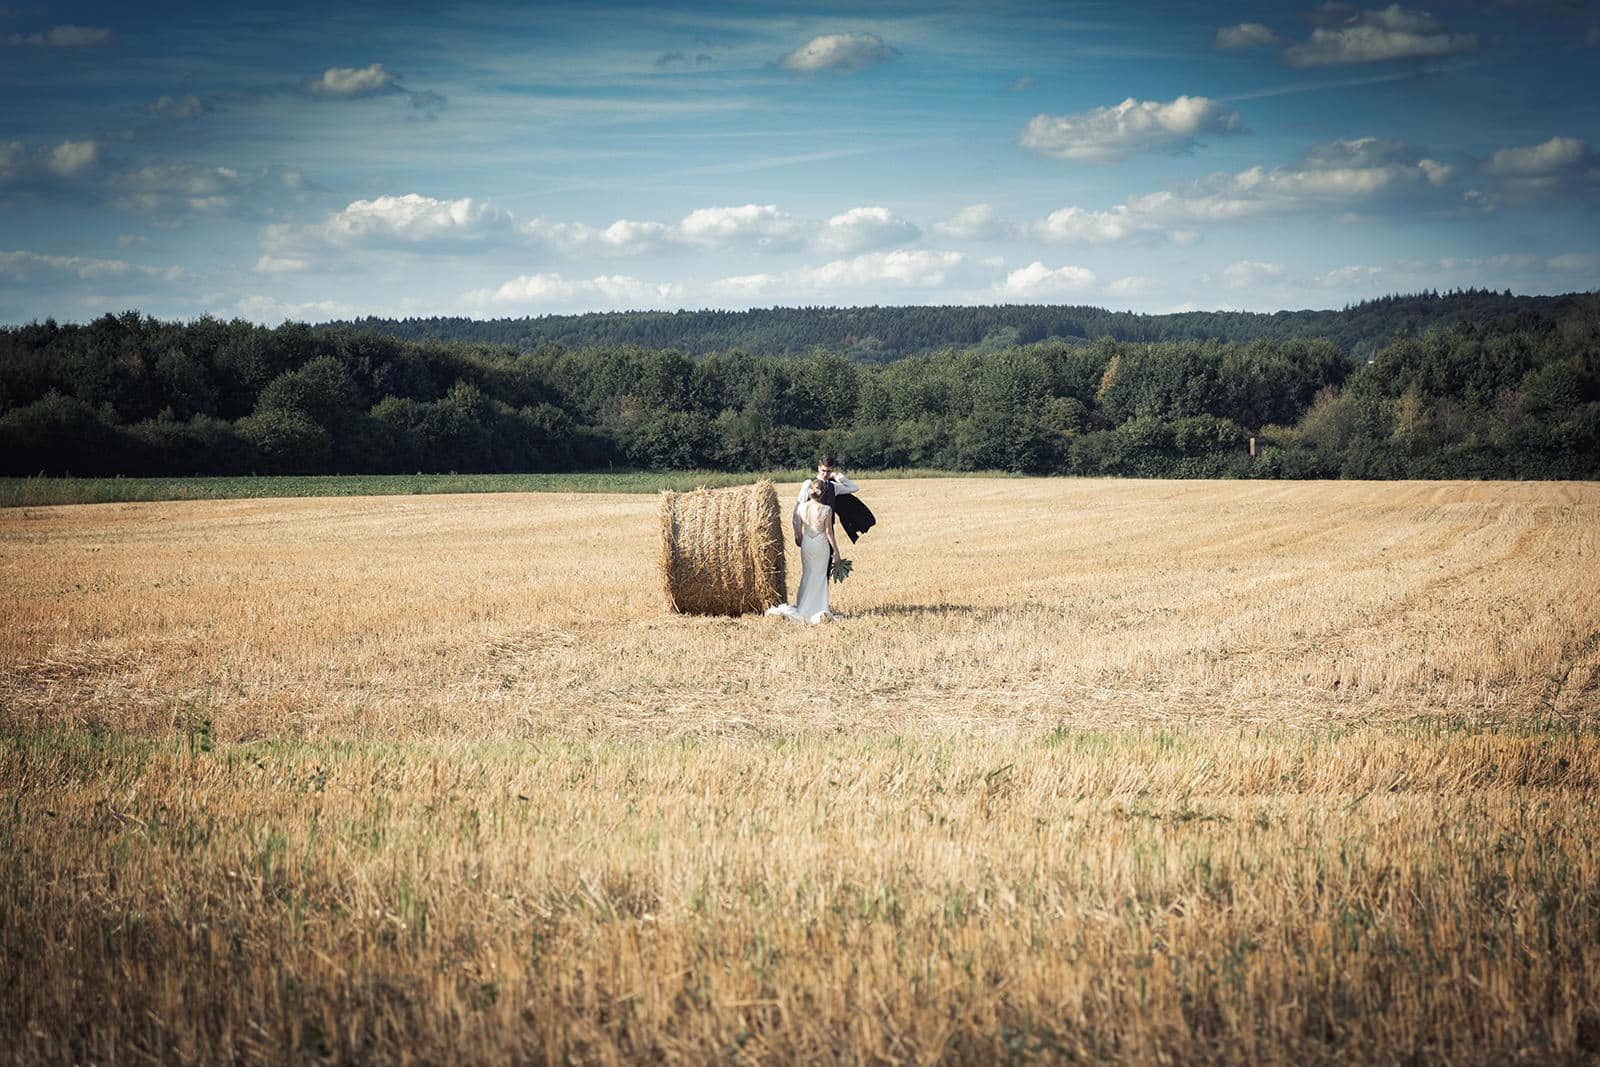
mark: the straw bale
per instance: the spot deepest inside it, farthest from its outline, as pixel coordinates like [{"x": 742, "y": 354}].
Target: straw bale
[{"x": 722, "y": 550}]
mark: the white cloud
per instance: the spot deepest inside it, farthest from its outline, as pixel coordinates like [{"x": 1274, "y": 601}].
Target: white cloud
[
  {"x": 1337, "y": 176},
  {"x": 1540, "y": 160},
  {"x": 423, "y": 224},
  {"x": 270, "y": 310},
  {"x": 977, "y": 222},
  {"x": 270, "y": 264},
  {"x": 45, "y": 163},
  {"x": 21, "y": 265},
  {"x": 745, "y": 287},
  {"x": 1573, "y": 261},
  {"x": 350, "y": 82},
  {"x": 838, "y": 51},
  {"x": 552, "y": 290},
  {"x": 1132, "y": 285},
  {"x": 187, "y": 106},
  {"x": 1344, "y": 277},
  {"x": 1545, "y": 174},
  {"x": 900, "y": 269},
  {"x": 760, "y": 225},
  {"x": 1247, "y": 273},
  {"x": 850, "y": 279},
  {"x": 1505, "y": 261},
  {"x": 415, "y": 219},
  {"x": 1123, "y": 222},
  {"x": 624, "y": 237},
  {"x": 863, "y": 228},
  {"x": 62, "y": 37},
  {"x": 181, "y": 188},
  {"x": 1437, "y": 173},
  {"x": 1024, "y": 83},
  {"x": 1036, "y": 280},
  {"x": 1246, "y": 35},
  {"x": 1377, "y": 35},
  {"x": 73, "y": 157},
  {"x": 1112, "y": 133}
]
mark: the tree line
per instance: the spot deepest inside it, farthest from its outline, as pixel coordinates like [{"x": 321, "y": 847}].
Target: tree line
[
  {"x": 884, "y": 334},
  {"x": 1485, "y": 396}
]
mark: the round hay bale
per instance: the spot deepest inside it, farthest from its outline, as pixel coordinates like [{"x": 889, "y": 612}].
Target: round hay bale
[{"x": 722, "y": 550}]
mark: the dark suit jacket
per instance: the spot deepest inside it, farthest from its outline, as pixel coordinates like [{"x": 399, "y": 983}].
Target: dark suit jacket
[{"x": 855, "y": 518}]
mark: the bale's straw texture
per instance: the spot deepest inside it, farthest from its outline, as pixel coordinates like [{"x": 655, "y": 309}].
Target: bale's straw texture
[{"x": 722, "y": 550}]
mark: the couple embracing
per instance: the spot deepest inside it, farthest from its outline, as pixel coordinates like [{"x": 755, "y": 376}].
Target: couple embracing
[{"x": 828, "y": 497}]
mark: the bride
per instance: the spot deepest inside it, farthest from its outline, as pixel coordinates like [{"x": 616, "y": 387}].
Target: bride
[{"x": 813, "y": 535}]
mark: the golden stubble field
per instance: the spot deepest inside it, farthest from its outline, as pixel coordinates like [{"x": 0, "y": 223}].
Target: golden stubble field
[{"x": 1122, "y": 771}]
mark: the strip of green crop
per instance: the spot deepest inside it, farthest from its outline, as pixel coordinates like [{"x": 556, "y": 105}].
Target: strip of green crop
[{"x": 39, "y": 492}]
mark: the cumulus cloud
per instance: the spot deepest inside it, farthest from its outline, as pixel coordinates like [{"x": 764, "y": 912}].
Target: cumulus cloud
[
  {"x": 423, "y": 224},
  {"x": 270, "y": 264},
  {"x": 1131, "y": 285},
  {"x": 1038, "y": 280},
  {"x": 625, "y": 237},
  {"x": 900, "y": 269},
  {"x": 1247, "y": 273},
  {"x": 1552, "y": 171},
  {"x": 863, "y": 228},
  {"x": 1079, "y": 226},
  {"x": 1535, "y": 161},
  {"x": 761, "y": 226},
  {"x": 413, "y": 219},
  {"x": 1573, "y": 261},
  {"x": 73, "y": 157},
  {"x": 181, "y": 188},
  {"x": 1345, "y": 277},
  {"x": 350, "y": 82},
  {"x": 552, "y": 290},
  {"x": 22, "y": 265},
  {"x": 187, "y": 106},
  {"x": 39, "y": 164},
  {"x": 1246, "y": 35},
  {"x": 62, "y": 37},
  {"x": 754, "y": 227},
  {"x": 976, "y": 222},
  {"x": 1112, "y": 133},
  {"x": 1023, "y": 84},
  {"x": 842, "y": 52},
  {"x": 1377, "y": 35},
  {"x": 1338, "y": 175},
  {"x": 272, "y": 311}
]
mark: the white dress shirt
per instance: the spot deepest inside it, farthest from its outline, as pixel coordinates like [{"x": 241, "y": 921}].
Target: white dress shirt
[{"x": 841, "y": 484}]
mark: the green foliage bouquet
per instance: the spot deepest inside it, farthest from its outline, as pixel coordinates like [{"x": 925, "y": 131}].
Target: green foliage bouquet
[{"x": 841, "y": 570}]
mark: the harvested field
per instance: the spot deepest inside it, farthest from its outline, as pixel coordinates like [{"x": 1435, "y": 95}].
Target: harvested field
[
  {"x": 1003, "y": 605},
  {"x": 1127, "y": 771}
]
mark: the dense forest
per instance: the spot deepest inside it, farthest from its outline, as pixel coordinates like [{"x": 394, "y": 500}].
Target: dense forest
[
  {"x": 884, "y": 334},
  {"x": 1508, "y": 388}
]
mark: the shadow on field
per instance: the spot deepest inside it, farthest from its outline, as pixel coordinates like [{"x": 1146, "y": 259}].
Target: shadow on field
[{"x": 960, "y": 611}]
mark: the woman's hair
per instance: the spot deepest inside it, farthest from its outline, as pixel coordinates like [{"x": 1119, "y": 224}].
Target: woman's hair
[{"x": 814, "y": 490}]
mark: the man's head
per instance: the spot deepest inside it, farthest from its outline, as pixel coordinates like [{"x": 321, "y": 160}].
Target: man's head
[{"x": 825, "y": 467}]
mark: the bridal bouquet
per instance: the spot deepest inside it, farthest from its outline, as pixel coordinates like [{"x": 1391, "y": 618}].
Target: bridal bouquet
[{"x": 841, "y": 570}]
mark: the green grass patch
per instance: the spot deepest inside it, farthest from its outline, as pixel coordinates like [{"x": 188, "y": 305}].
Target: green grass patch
[{"x": 40, "y": 492}]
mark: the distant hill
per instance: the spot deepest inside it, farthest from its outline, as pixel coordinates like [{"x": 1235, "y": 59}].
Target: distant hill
[{"x": 884, "y": 334}]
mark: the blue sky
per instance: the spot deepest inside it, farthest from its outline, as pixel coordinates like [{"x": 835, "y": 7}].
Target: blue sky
[{"x": 326, "y": 160}]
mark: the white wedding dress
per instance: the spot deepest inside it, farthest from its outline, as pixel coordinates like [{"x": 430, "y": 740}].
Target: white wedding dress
[{"x": 811, "y": 601}]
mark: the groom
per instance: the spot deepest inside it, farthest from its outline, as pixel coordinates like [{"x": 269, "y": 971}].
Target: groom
[{"x": 838, "y": 493}]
